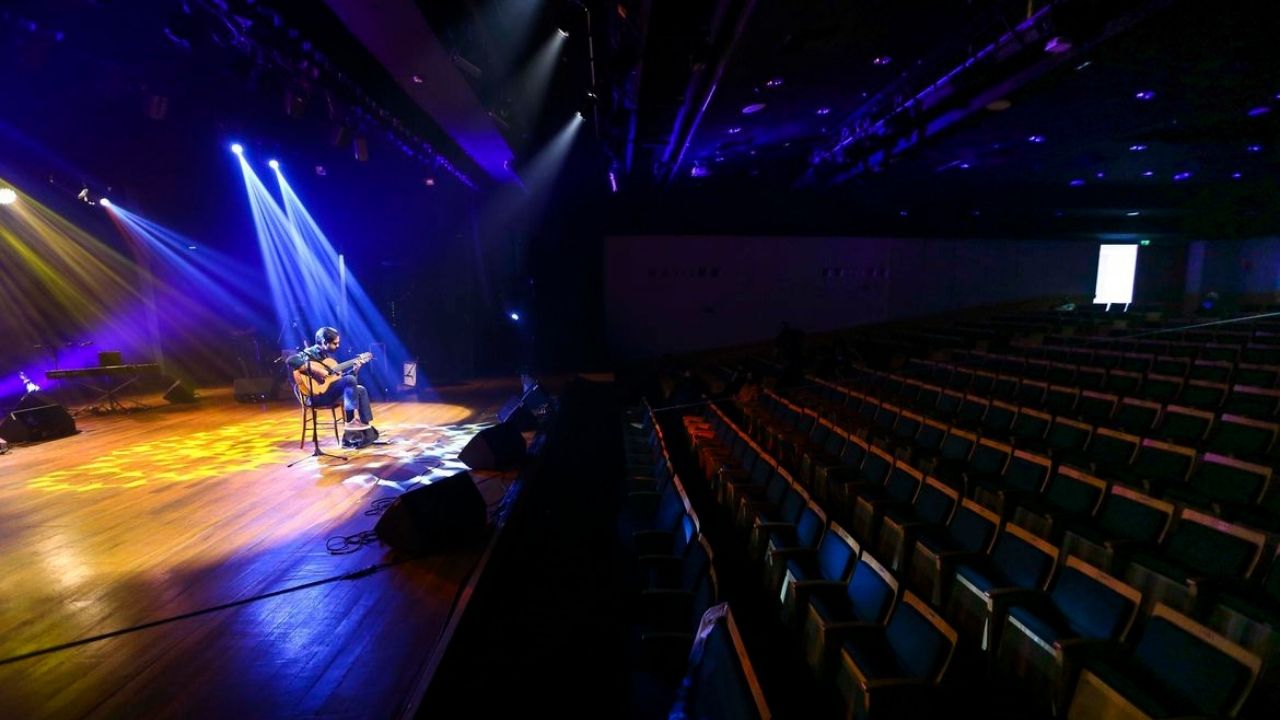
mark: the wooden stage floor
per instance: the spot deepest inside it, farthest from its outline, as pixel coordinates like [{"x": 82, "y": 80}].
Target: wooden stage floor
[{"x": 146, "y": 517}]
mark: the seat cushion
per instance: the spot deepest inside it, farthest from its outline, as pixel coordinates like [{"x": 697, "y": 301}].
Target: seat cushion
[
  {"x": 874, "y": 657},
  {"x": 1043, "y": 621},
  {"x": 832, "y": 607},
  {"x": 983, "y": 577},
  {"x": 1139, "y": 689},
  {"x": 804, "y": 568}
]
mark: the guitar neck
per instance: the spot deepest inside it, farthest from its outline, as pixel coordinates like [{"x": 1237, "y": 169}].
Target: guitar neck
[{"x": 345, "y": 366}]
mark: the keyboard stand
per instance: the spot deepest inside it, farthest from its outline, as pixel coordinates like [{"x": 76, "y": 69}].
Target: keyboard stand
[{"x": 109, "y": 400}]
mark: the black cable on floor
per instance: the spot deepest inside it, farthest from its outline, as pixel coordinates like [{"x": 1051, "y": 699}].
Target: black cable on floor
[{"x": 353, "y": 575}]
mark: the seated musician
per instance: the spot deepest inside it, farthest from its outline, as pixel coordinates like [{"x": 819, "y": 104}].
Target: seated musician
[{"x": 355, "y": 398}]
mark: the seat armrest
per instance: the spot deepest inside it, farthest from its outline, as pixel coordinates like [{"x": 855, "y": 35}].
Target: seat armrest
[
  {"x": 1086, "y": 648},
  {"x": 765, "y": 526},
  {"x": 787, "y": 553},
  {"x": 1001, "y": 598},
  {"x": 1015, "y": 594},
  {"x": 822, "y": 588},
  {"x": 852, "y": 630}
]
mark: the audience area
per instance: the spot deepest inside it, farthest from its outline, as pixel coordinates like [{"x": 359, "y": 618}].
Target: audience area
[{"x": 1065, "y": 513}]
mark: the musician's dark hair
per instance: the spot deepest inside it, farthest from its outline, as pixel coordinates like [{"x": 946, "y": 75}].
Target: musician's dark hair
[{"x": 326, "y": 335}]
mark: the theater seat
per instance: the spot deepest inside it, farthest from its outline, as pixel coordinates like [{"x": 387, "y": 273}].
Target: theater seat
[
  {"x": 786, "y": 541},
  {"x": 1046, "y": 636},
  {"x": 1018, "y": 562},
  {"x": 900, "y": 526},
  {"x": 1178, "y": 668},
  {"x": 1125, "y": 518},
  {"x": 720, "y": 681},
  {"x": 834, "y": 609},
  {"x": 1070, "y": 495},
  {"x": 1200, "y": 550},
  {"x": 895, "y": 670},
  {"x": 1249, "y": 615},
  {"x": 970, "y": 532},
  {"x": 831, "y": 563}
]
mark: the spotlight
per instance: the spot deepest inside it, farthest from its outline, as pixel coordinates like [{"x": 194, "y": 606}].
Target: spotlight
[
  {"x": 8, "y": 196},
  {"x": 515, "y": 316},
  {"x": 105, "y": 202},
  {"x": 579, "y": 115},
  {"x": 563, "y": 32},
  {"x": 273, "y": 164},
  {"x": 237, "y": 148}
]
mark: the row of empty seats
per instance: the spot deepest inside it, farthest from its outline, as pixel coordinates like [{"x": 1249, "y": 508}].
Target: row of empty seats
[
  {"x": 971, "y": 554},
  {"x": 991, "y": 436},
  {"x": 687, "y": 655},
  {"x": 954, "y": 392}
]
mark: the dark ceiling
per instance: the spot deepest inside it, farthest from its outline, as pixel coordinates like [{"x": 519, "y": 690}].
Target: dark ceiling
[
  {"x": 941, "y": 116},
  {"x": 952, "y": 116}
]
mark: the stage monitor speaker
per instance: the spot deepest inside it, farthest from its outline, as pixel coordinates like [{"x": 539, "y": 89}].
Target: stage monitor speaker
[
  {"x": 513, "y": 411},
  {"x": 36, "y": 418},
  {"x": 254, "y": 389},
  {"x": 448, "y": 510},
  {"x": 495, "y": 448},
  {"x": 180, "y": 392}
]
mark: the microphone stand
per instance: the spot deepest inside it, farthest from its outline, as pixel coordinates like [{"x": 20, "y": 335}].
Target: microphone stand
[{"x": 309, "y": 401}]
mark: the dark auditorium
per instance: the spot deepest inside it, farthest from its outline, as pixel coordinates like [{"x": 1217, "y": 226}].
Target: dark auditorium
[{"x": 639, "y": 359}]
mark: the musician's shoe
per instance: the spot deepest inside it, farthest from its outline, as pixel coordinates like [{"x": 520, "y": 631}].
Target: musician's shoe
[{"x": 357, "y": 425}]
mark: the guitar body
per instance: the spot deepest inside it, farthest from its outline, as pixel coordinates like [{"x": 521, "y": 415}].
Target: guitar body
[{"x": 315, "y": 377}]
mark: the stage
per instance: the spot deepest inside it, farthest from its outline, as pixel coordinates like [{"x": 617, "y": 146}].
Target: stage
[{"x": 193, "y": 561}]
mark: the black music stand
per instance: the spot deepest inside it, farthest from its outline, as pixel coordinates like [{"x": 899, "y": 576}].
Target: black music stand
[{"x": 311, "y": 408}]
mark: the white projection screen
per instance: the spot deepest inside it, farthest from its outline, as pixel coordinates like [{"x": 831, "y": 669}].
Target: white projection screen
[{"x": 1116, "y": 267}]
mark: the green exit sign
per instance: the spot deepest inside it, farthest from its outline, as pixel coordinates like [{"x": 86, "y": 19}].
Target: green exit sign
[{"x": 1144, "y": 243}]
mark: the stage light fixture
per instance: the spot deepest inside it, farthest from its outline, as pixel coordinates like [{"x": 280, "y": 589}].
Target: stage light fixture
[
  {"x": 515, "y": 316},
  {"x": 237, "y": 148},
  {"x": 273, "y": 164},
  {"x": 105, "y": 202},
  {"x": 563, "y": 32},
  {"x": 8, "y": 196},
  {"x": 1057, "y": 45}
]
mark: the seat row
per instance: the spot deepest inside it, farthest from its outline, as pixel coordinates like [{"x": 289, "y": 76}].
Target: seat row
[
  {"x": 686, "y": 653},
  {"x": 962, "y": 556},
  {"x": 990, "y": 437},
  {"x": 1055, "y": 383}
]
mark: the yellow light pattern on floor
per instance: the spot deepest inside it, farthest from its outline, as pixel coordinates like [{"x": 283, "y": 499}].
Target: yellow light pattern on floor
[{"x": 228, "y": 450}]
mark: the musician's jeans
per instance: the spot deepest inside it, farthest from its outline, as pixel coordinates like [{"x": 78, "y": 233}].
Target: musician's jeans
[{"x": 355, "y": 398}]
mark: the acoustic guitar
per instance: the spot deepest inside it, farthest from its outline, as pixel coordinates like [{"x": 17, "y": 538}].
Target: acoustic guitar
[{"x": 315, "y": 377}]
